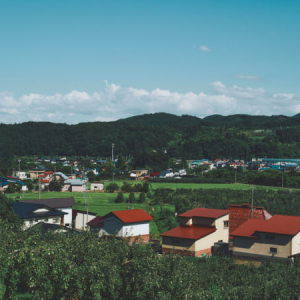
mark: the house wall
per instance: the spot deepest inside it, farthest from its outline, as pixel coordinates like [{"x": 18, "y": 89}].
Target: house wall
[
  {"x": 203, "y": 245},
  {"x": 51, "y": 220},
  {"x": 135, "y": 229},
  {"x": 296, "y": 244},
  {"x": 68, "y": 217},
  {"x": 111, "y": 226},
  {"x": 261, "y": 246},
  {"x": 81, "y": 220},
  {"x": 114, "y": 226},
  {"x": 66, "y": 188},
  {"x": 97, "y": 186},
  {"x": 78, "y": 188}
]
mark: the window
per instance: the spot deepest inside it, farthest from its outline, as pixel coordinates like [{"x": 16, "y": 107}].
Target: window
[
  {"x": 46, "y": 220},
  {"x": 273, "y": 250},
  {"x": 226, "y": 224},
  {"x": 55, "y": 220},
  {"x": 31, "y": 222},
  {"x": 270, "y": 237}
]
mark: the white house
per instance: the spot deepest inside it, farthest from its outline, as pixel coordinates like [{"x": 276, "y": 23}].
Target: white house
[
  {"x": 132, "y": 223},
  {"x": 34, "y": 213},
  {"x": 62, "y": 204}
]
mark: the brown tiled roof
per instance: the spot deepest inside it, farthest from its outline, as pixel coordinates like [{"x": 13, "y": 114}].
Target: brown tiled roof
[
  {"x": 54, "y": 202},
  {"x": 189, "y": 232}
]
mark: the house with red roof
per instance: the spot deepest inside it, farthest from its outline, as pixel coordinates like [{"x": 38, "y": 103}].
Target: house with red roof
[
  {"x": 199, "y": 230},
  {"x": 238, "y": 214},
  {"x": 277, "y": 237},
  {"x": 131, "y": 223}
]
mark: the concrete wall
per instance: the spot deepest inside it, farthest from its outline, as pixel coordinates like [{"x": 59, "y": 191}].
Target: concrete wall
[
  {"x": 262, "y": 245},
  {"x": 78, "y": 188}
]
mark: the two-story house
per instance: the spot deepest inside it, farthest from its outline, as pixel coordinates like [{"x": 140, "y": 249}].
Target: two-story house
[
  {"x": 199, "y": 230},
  {"x": 277, "y": 237}
]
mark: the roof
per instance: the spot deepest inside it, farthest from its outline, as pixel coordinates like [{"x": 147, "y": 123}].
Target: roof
[
  {"x": 205, "y": 213},
  {"x": 53, "y": 202},
  {"x": 278, "y": 224},
  {"x": 75, "y": 182},
  {"x": 238, "y": 214},
  {"x": 27, "y": 210},
  {"x": 130, "y": 215},
  {"x": 96, "y": 222},
  {"x": 189, "y": 232}
]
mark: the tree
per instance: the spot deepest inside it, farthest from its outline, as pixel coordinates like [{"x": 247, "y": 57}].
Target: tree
[
  {"x": 120, "y": 198},
  {"x": 142, "y": 198},
  {"x": 10, "y": 189},
  {"x": 91, "y": 176},
  {"x": 131, "y": 198},
  {"x": 112, "y": 187},
  {"x": 56, "y": 185}
]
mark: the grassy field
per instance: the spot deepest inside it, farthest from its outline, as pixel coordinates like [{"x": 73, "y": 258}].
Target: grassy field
[{"x": 102, "y": 203}]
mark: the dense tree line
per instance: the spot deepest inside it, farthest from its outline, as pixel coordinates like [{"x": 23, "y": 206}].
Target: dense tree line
[{"x": 153, "y": 139}]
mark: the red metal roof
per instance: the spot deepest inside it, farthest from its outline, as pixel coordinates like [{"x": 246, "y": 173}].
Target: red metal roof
[
  {"x": 189, "y": 232},
  {"x": 238, "y": 214},
  {"x": 49, "y": 172},
  {"x": 45, "y": 181},
  {"x": 131, "y": 215},
  {"x": 278, "y": 224},
  {"x": 205, "y": 213}
]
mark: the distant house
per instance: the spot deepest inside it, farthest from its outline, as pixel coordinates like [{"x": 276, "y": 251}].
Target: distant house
[
  {"x": 277, "y": 237},
  {"x": 97, "y": 186},
  {"x": 74, "y": 185},
  {"x": 199, "y": 230},
  {"x": 138, "y": 174},
  {"x": 132, "y": 223},
  {"x": 34, "y": 213},
  {"x": 62, "y": 204}
]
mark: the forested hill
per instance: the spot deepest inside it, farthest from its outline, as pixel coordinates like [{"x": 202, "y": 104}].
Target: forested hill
[{"x": 236, "y": 136}]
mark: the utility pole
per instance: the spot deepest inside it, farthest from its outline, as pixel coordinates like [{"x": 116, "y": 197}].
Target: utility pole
[
  {"x": 234, "y": 176},
  {"x": 19, "y": 166},
  {"x": 112, "y": 151},
  {"x": 282, "y": 179},
  {"x": 39, "y": 181},
  {"x": 252, "y": 191}
]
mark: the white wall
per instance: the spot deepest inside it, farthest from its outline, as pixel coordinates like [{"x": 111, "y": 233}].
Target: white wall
[
  {"x": 68, "y": 217},
  {"x": 135, "y": 229},
  {"x": 296, "y": 244},
  {"x": 81, "y": 220},
  {"x": 114, "y": 226}
]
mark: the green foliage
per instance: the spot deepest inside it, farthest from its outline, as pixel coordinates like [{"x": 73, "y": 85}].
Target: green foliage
[
  {"x": 120, "y": 198},
  {"x": 131, "y": 198},
  {"x": 142, "y": 198},
  {"x": 29, "y": 184},
  {"x": 56, "y": 185},
  {"x": 112, "y": 187},
  {"x": 10, "y": 188}
]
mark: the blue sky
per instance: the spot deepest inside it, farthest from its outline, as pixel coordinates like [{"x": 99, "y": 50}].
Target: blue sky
[{"x": 76, "y": 61}]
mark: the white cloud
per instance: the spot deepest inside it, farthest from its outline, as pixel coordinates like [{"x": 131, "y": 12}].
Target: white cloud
[
  {"x": 248, "y": 77},
  {"x": 204, "y": 49},
  {"x": 116, "y": 102}
]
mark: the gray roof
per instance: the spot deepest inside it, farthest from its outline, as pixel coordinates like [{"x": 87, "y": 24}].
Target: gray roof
[
  {"x": 53, "y": 202},
  {"x": 65, "y": 177},
  {"x": 75, "y": 182},
  {"x": 27, "y": 211}
]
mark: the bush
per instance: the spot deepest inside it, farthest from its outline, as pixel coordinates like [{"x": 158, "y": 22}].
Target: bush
[{"x": 131, "y": 198}]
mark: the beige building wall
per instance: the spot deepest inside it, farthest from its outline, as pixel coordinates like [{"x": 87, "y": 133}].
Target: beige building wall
[
  {"x": 296, "y": 244},
  {"x": 262, "y": 246},
  {"x": 202, "y": 245},
  {"x": 81, "y": 220}
]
